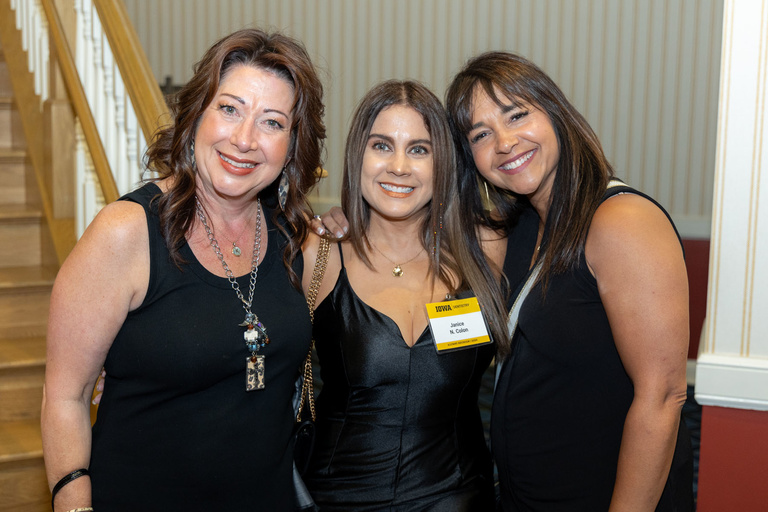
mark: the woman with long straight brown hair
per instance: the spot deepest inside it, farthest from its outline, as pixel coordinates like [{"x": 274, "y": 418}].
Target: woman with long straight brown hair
[
  {"x": 398, "y": 423},
  {"x": 587, "y": 407}
]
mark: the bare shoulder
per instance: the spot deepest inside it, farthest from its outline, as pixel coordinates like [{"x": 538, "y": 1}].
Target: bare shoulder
[
  {"x": 104, "y": 278},
  {"x": 114, "y": 248},
  {"x": 628, "y": 227},
  {"x": 637, "y": 260},
  {"x": 118, "y": 231}
]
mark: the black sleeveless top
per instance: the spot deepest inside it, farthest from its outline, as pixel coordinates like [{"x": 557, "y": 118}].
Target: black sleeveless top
[
  {"x": 398, "y": 428},
  {"x": 562, "y": 398},
  {"x": 176, "y": 429}
]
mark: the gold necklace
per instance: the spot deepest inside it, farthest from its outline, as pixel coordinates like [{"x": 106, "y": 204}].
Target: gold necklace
[{"x": 397, "y": 271}]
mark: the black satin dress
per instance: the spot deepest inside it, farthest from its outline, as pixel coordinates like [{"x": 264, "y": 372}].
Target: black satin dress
[{"x": 398, "y": 427}]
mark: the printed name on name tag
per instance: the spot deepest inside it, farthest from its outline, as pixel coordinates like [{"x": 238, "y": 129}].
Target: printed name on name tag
[{"x": 457, "y": 324}]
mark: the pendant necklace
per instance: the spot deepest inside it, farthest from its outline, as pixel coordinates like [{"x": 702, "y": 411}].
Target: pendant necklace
[
  {"x": 235, "y": 248},
  {"x": 397, "y": 271},
  {"x": 255, "y": 335}
]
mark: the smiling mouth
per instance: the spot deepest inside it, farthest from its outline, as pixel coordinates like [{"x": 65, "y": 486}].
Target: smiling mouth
[
  {"x": 396, "y": 189},
  {"x": 239, "y": 165},
  {"x": 514, "y": 164}
]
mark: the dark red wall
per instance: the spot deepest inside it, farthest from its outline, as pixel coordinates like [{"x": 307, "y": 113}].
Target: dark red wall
[
  {"x": 697, "y": 262},
  {"x": 733, "y": 461}
]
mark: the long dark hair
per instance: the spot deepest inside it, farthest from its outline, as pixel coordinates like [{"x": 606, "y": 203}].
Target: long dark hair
[
  {"x": 442, "y": 230},
  {"x": 170, "y": 152},
  {"x": 583, "y": 171}
]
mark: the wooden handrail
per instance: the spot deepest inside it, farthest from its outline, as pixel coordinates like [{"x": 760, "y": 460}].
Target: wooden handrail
[
  {"x": 80, "y": 102},
  {"x": 148, "y": 102}
]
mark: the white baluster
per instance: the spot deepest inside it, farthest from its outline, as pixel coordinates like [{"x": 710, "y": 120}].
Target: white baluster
[
  {"x": 133, "y": 144},
  {"x": 80, "y": 223},
  {"x": 121, "y": 169}
]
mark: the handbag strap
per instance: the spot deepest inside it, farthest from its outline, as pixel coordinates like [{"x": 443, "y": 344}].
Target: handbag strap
[
  {"x": 514, "y": 312},
  {"x": 308, "y": 382}
]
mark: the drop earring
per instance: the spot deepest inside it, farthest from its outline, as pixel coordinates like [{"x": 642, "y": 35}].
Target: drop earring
[{"x": 282, "y": 189}]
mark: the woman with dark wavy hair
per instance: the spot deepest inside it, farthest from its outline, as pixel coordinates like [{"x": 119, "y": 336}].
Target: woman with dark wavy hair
[
  {"x": 187, "y": 291},
  {"x": 587, "y": 407},
  {"x": 398, "y": 424}
]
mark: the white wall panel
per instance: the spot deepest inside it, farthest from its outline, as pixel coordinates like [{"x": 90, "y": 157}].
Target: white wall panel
[{"x": 643, "y": 72}]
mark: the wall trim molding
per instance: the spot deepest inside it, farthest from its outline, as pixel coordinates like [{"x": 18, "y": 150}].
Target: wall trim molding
[
  {"x": 695, "y": 227},
  {"x": 690, "y": 372},
  {"x": 732, "y": 381}
]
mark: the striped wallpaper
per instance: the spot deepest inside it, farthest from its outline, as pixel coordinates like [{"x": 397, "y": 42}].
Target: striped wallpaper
[{"x": 644, "y": 72}]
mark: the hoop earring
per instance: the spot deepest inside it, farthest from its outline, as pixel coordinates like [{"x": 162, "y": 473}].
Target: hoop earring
[{"x": 487, "y": 201}]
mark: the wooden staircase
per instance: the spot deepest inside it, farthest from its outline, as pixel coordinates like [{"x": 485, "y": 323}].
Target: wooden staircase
[{"x": 27, "y": 269}]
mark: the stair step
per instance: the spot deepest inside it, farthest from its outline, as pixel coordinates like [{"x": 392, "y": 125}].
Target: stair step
[
  {"x": 22, "y": 472},
  {"x": 16, "y": 353},
  {"x": 20, "y": 440},
  {"x": 20, "y": 235},
  {"x": 24, "y": 296},
  {"x": 13, "y": 169},
  {"x": 5, "y": 79},
  {"x": 22, "y": 373},
  {"x": 12, "y": 134}
]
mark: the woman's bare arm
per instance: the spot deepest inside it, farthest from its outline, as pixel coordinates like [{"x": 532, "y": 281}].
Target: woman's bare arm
[
  {"x": 637, "y": 260},
  {"x": 104, "y": 277}
]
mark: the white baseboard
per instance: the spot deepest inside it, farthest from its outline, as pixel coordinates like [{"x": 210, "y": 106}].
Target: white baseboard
[{"x": 732, "y": 381}]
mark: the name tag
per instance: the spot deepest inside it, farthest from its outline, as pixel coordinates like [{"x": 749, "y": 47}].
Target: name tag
[{"x": 457, "y": 324}]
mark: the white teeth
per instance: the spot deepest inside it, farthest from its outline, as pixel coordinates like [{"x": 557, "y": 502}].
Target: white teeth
[
  {"x": 398, "y": 190},
  {"x": 517, "y": 163},
  {"x": 242, "y": 165}
]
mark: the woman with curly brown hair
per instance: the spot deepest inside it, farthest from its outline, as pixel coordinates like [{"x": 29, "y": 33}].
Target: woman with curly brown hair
[{"x": 188, "y": 292}]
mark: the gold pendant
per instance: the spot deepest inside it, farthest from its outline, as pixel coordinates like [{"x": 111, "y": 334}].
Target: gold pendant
[{"x": 397, "y": 271}]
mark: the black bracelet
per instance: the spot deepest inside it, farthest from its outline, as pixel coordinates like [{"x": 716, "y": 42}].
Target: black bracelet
[{"x": 67, "y": 479}]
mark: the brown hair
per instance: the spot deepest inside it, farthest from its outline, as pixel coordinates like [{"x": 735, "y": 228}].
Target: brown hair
[
  {"x": 442, "y": 232},
  {"x": 583, "y": 171},
  {"x": 170, "y": 153}
]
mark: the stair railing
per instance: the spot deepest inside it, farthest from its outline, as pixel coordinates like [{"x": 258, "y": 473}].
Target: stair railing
[{"x": 115, "y": 117}]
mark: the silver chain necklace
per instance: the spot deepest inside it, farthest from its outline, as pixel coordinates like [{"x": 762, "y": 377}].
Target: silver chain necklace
[{"x": 255, "y": 335}]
